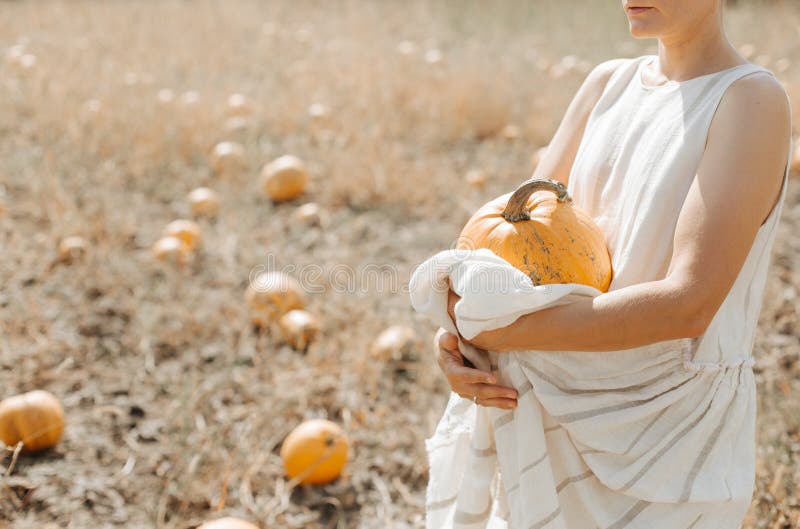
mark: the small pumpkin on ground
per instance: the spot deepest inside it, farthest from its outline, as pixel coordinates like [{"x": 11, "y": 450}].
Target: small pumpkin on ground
[
  {"x": 227, "y": 158},
  {"x": 476, "y": 178},
  {"x": 284, "y": 178},
  {"x": 72, "y": 249},
  {"x": 315, "y": 452},
  {"x": 538, "y": 230},
  {"x": 310, "y": 214},
  {"x": 299, "y": 328},
  {"x": 36, "y": 418},
  {"x": 393, "y": 343},
  {"x": 186, "y": 230},
  {"x": 204, "y": 202},
  {"x": 165, "y": 96},
  {"x": 172, "y": 250},
  {"x": 239, "y": 105},
  {"x": 318, "y": 112},
  {"x": 270, "y": 295}
]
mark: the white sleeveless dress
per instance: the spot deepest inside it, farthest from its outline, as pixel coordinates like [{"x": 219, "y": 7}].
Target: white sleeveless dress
[{"x": 659, "y": 436}]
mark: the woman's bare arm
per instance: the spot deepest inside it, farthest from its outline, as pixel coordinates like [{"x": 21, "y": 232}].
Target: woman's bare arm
[
  {"x": 735, "y": 188},
  {"x": 560, "y": 154}
]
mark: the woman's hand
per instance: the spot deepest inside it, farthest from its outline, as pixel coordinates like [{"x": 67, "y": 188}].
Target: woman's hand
[
  {"x": 487, "y": 340},
  {"x": 467, "y": 381}
]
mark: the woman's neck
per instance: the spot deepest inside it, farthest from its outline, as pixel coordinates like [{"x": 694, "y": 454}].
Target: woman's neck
[{"x": 701, "y": 49}]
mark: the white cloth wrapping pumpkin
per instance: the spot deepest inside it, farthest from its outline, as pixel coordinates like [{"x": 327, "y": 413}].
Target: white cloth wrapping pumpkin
[
  {"x": 479, "y": 276},
  {"x": 658, "y": 437},
  {"x": 634, "y": 429}
]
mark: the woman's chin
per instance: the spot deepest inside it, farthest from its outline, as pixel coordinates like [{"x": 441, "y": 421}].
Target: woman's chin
[{"x": 642, "y": 31}]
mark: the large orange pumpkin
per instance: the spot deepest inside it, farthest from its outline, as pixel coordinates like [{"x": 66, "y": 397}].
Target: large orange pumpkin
[
  {"x": 538, "y": 230},
  {"x": 36, "y": 418}
]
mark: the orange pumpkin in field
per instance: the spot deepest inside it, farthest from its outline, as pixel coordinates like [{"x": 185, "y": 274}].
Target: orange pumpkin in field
[
  {"x": 284, "y": 178},
  {"x": 36, "y": 418},
  {"x": 185, "y": 230},
  {"x": 538, "y": 230},
  {"x": 270, "y": 295},
  {"x": 315, "y": 452}
]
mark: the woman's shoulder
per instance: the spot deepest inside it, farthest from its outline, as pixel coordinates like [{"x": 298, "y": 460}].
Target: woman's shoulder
[
  {"x": 758, "y": 95},
  {"x": 761, "y": 82},
  {"x": 750, "y": 135}
]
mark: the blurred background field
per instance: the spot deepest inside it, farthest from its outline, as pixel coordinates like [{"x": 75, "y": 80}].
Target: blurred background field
[{"x": 176, "y": 406}]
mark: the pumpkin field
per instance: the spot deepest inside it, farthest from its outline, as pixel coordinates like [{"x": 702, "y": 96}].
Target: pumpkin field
[{"x": 209, "y": 214}]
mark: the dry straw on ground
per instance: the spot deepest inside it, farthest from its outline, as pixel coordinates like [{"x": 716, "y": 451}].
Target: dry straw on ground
[{"x": 176, "y": 406}]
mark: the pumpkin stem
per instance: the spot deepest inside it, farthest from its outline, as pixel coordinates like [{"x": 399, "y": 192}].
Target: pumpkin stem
[{"x": 516, "y": 209}]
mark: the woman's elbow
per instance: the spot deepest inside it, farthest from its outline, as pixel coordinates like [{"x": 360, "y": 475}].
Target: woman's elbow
[
  {"x": 692, "y": 307},
  {"x": 696, "y": 327},
  {"x": 696, "y": 318}
]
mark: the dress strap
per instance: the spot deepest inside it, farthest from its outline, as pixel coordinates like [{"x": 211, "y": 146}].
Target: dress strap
[{"x": 710, "y": 89}]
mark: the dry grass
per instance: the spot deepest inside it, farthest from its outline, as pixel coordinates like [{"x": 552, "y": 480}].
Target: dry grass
[{"x": 176, "y": 406}]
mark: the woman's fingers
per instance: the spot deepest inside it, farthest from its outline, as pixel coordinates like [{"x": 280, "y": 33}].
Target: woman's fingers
[
  {"x": 449, "y": 356},
  {"x": 489, "y": 395},
  {"x": 468, "y": 376},
  {"x": 492, "y": 391},
  {"x": 467, "y": 381},
  {"x": 448, "y": 341},
  {"x": 506, "y": 404},
  {"x": 452, "y": 364}
]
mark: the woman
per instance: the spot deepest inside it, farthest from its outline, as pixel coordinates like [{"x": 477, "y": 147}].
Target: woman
[{"x": 682, "y": 160}]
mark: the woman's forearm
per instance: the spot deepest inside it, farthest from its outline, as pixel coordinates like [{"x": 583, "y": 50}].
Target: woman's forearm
[{"x": 624, "y": 318}]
